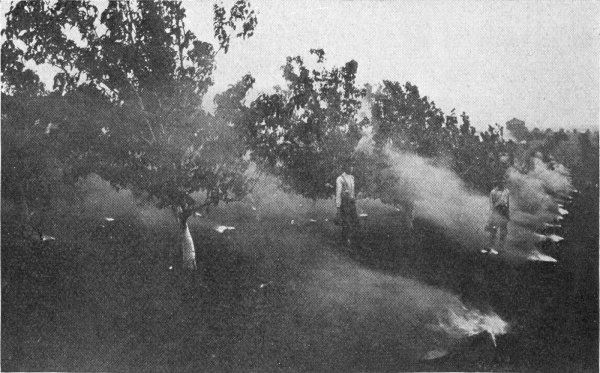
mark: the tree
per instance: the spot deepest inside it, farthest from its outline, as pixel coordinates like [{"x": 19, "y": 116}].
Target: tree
[
  {"x": 27, "y": 161},
  {"x": 130, "y": 94},
  {"x": 31, "y": 172},
  {"x": 406, "y": 121},
  {"x": 409, "y": 122},
  {"x": 518, "y": 129},
  {"x": 491, "y": 163},
  {"x": 302, "y": 133},
  {"x": 588, "y": 168}
]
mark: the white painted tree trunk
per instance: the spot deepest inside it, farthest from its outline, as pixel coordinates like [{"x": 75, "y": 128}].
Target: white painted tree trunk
[{"x": 187, "y": 248}]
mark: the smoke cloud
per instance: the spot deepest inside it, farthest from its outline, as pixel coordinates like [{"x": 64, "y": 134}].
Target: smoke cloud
[
  {"x": 441, "y": 197},
  {"x": 335, "y": 299},
  {"x": 421, "y": 321}
]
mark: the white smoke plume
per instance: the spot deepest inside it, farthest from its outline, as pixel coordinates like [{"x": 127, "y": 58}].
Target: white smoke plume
[
  {"x": 421, "y": 320},
  {"x": 331, "y": 297},
  {"x": 441, "y": 197}
]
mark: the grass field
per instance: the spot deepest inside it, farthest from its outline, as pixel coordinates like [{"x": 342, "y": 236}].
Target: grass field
[{"x": 283, "y": 295}]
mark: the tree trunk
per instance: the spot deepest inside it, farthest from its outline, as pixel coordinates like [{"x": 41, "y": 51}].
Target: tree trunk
[{"x": 187, "y": 245}]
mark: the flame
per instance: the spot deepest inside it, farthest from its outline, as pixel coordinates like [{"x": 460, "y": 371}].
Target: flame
[
  {"x": 472, "y": 322},
  {"x": 537, "y": 256},
  {"x": 550, "y": 237},
  {"x": 548, "y": 225},
  {"x": 555, "y": 238},
  {"x": 223, "y": 228}
]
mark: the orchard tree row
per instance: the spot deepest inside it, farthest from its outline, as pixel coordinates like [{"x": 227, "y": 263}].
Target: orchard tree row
[{"x": 126, "y": 105}]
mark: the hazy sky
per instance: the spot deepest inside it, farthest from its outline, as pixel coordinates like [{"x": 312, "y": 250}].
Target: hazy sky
[{"x": 537, "y": 61}]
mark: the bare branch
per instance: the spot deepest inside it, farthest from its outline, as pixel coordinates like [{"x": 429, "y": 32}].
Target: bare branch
[{"x": 141, "y": 103}]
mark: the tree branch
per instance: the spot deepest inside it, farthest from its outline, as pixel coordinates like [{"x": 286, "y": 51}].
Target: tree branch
[
  {"x": 217, "y": 51},
  {"x": 182, "y": 30},
  {"x": 190, "y": 210},
  {"x": 130, "y": 28},
  {"x": 143, "y": 108}
]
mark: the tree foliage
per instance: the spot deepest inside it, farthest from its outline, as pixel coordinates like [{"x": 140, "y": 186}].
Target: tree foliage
[
  {"x": 31, "y": 170},
  {"x": 410, "y": 122},
  {"x": 407, "y": 121},
  {"x": 304, "y": 132},
  {"x": 129, "y": 86}
]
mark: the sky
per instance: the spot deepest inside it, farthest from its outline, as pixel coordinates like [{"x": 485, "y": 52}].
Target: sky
[{"x": 495, "y": 60}]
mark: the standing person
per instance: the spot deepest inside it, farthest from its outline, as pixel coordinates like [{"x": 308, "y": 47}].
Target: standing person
[
  {"x": 499, "y": 216},
  {"x": 346, "y": 203}
]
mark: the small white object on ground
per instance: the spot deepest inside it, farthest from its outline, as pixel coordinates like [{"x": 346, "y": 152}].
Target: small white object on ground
[
  {"x": 47, "y": 238},
  {"x": 170, "y": 267},
  {"x": 292, "y": 222},
  {"x": 548, "y": 225},
  {"x": 198, "y": 214},
  {"x": 312, "y": 220},
  {"x": 555, "y": 238},
  {"x": 551, "y": 237},
  {"x": 253, "y": 208},
  {"x": 363, "y": 215},
  {"x": 223, "y": 228},
  {"x": 562, "y": 211},
  {"x": 493, "y": 252},
  {"x": 265, "y": 284},
  {"x": 109, "y": 219},
  {"x": 539, "y": 257}
]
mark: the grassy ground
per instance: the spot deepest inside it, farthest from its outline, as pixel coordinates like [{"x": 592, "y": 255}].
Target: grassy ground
[{"x": 97, "y": 300}]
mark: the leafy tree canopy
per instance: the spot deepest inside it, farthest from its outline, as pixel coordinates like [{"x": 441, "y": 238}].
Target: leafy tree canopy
[
  {"x": 128, "y": 93},
  {"x": 304, "y": 132},
  {"x": 407, "y": 121}
]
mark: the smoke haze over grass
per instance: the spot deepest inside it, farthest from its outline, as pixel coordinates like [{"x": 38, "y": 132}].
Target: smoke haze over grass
[
  {"x": 340, "y": 305},
  {"x": 334, "y": 298},
  {"x": 441, "y": 197}
]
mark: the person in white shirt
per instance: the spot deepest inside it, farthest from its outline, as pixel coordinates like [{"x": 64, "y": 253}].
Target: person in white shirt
[
  {"x": 499, "y": 216},
  {"x": 345, "y": 202}
]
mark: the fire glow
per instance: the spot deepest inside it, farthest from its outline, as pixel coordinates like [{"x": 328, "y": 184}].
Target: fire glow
[
  {"x": 472, "y": 322},
  {"x": 223, "y": 228}
]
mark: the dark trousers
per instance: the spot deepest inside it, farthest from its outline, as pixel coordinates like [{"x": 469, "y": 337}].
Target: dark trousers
[
  {"x": 498, "y": 227},
  {"x": 349, "y": 218}
]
